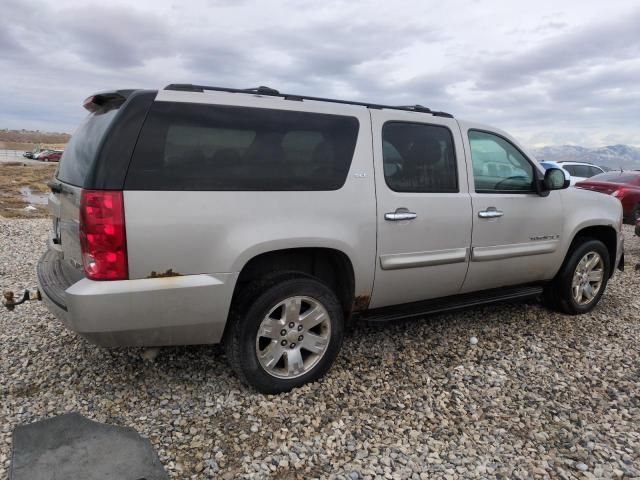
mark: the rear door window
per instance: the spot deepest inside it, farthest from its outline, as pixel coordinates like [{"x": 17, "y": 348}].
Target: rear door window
[
  {"x": 419, "y": 158},
  {"x": 594, "y": 171},
  {"x": 186, "y": 146},
  {"x": 583, "y": 171}
]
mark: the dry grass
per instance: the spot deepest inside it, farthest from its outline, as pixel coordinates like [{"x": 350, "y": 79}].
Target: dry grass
[
  {"x": 5, "y": 145},
  {"x": 13, "y": 177}
]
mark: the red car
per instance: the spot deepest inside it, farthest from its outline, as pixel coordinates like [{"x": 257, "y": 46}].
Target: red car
[
  {"x": 51, "y": 157},
  {"x": 623, "y": 185}
]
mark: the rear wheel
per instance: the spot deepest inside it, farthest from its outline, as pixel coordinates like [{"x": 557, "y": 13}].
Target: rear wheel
[
  {"x": 582, "y": 280},
  {"x": 284, "y": 333}
]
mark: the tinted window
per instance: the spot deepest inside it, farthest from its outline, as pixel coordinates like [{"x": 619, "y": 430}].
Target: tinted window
[
  {"x": 583, "y": 171},
  {"x": 202, "y": 147},
  {"x": 593, "y": 171},
  {"x": 573, "y": 171},
  {"x": 81, "y": 151},
  {"x": 419, "y": 158},
  {"x": 498, "y": 166}
]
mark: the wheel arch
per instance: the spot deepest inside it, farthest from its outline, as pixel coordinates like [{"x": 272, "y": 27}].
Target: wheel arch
[
  {"x": 332, "y": 266},
  {"x": 605, "y": 233}
]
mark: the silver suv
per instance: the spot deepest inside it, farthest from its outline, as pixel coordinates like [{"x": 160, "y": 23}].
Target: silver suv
[{"x": 266, "y": 221}]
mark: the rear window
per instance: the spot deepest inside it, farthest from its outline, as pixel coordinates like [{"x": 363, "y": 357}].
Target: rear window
[
  {"x": 186, "y": 146},
  {"x": 616, "y": 177},
  {"x": 82, "y": 149}
]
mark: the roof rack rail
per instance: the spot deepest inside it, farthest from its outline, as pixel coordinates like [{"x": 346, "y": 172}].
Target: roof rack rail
[
  {"x": 262, "y": 90},
  {"x": 415, "y": 108}
]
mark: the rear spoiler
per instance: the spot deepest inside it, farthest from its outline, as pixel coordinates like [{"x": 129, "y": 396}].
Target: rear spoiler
[{"x": 112, "y": 99}]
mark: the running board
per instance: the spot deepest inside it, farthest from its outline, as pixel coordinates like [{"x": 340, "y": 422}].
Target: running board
[{"x": 454, "y": 302}]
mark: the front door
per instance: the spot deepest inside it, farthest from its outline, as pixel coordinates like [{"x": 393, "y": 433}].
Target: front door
[
  {"x": 424, "y": 209},
  {"x": 516, "y": 232}
]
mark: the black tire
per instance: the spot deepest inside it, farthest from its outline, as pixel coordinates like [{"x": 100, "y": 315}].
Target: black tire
[
  {"x": 558, "y": 294},
  {"x": 252, "y": 305}
]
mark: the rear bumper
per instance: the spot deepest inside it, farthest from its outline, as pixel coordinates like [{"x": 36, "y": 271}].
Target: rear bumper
[{"x": 190, "y": 309}]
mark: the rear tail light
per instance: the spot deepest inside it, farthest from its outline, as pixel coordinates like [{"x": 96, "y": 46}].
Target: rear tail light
[{"x": 103, "y": 238}]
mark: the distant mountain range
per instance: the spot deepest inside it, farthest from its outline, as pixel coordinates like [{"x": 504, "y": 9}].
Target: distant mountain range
[{"x": 613, "y": 156}]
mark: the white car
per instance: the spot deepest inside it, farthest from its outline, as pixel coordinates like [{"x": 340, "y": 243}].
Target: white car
[{"x": 580, "y": 171}]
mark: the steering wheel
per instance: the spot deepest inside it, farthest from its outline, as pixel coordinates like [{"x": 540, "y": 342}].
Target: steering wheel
[{"x": 499, "y": 184}]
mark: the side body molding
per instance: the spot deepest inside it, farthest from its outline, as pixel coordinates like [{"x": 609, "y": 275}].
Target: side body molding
[
  {"x": 498, "y": 252},
  {"x": 423, "y": 259}
]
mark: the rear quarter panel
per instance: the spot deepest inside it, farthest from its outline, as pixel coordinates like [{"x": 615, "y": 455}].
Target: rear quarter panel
[{"x": 195, "y": 232}]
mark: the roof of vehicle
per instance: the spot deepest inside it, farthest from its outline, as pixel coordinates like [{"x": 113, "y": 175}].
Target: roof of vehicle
[
  {"x": 568, "y": 162},
  {"x": 275, "y": 93},
  {"x": 615, "y": 176}
]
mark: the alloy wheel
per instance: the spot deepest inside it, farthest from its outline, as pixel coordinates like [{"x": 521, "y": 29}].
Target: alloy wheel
[
  {"x": 293, "y": 337},
  {"x": 587, "y": 278}
]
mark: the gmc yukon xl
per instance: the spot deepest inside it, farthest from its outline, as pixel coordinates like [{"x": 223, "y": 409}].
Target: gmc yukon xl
[{"x": 265, "y": 221}]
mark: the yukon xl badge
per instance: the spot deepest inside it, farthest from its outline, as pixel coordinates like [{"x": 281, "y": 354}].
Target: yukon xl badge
[{"x": 545, "y": 237}]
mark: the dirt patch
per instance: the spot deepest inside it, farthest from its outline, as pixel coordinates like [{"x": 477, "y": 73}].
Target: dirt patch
[{"x": 14, "y": 179}]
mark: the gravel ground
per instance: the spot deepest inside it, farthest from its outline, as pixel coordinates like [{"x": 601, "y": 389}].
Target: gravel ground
[{"x": 540, "y": 395}]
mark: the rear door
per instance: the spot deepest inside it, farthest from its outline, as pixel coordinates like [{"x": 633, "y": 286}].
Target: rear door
[
  {"x": 424, "y": 210},
  {"x": 516, "y": 232}
]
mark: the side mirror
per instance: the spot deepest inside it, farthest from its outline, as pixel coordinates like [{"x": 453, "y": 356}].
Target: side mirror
[{"x": 554, "y": 179}]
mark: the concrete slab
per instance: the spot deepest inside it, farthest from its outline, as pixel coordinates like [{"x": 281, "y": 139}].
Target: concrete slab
[{"x": 73, "y": 447}]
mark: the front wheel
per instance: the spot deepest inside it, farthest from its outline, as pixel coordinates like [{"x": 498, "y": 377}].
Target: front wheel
[
  {"x": 284, "y": 334},
  {"x": 582, "y": 280}
]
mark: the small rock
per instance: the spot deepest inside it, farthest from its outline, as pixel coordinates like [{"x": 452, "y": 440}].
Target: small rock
[{"x": 150, "y": 354}]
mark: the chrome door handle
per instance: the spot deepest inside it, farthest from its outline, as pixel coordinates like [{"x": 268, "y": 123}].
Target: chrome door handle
[
  {"x": 400, "y": 214},
  {"x": 490, "y": 212}
]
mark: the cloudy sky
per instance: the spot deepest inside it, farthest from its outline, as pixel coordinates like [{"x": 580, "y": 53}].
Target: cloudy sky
[{"x": 549, "y": 71}]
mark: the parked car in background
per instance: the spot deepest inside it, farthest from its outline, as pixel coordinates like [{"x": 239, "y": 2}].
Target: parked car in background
[
  {"x": 625, "y": 186},
  {"x": 38, "y": 155},
  {"x": 34, "y": 153},
  {"x": 51, "y": 156},
  {"x": 579, "y": 171}
]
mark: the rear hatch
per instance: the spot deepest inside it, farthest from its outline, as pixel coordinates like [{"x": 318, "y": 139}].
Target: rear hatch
[{"x": 96, "y": 158}]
